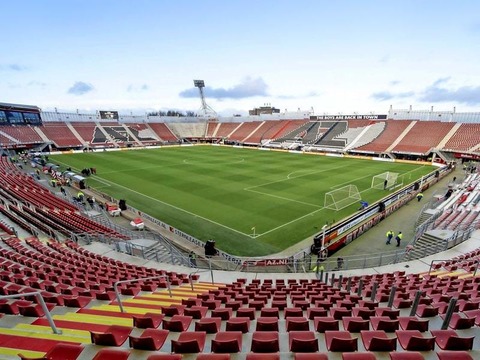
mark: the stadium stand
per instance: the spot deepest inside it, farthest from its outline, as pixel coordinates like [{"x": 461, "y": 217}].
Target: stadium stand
[
  {"x": 260, "y": 133},
  {"x": 398, "y": 315},
  {"x": 163, "y": 132},
  {"x": 464, "y": 139},
  {"x": 20, "y": 134},
  {"x": 85, "y": 130},
  {"x": 388, "y": 137},
  {"x": 243, "y": 132},
  {"x": 143, "y": 133},
  {"x": 211, "y": 129},
  {"x": 422, "y": 137},
  {"x": 188, "y": 130},
  {"x": 225, "y": 129},
  {"x": 60, "y": 134}
]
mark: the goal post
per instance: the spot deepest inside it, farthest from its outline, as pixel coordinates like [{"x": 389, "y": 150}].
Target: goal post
[
  {"x": 384, "y": 181},
  {"x": 341, "y": 198}
]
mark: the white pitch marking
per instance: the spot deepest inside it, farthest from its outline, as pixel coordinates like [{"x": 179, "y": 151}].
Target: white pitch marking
[{"x": 294, "y": 177}]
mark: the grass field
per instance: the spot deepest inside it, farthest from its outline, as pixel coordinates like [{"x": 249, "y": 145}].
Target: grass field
[{"x": 223, "y": 193}]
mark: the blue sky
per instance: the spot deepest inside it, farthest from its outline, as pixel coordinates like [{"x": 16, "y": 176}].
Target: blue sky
[{"x": 333, "y": 56}]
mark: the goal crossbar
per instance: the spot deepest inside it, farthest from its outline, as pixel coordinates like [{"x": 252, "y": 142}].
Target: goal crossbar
[
  {"x": 384, "y": 181},
  {"x": 341, "y": 198}
]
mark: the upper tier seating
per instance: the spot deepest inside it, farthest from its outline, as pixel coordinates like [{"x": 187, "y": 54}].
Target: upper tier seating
[
  {"x": 188, "y": 130},
  {"x": 143, "y": 133},
  {"x": 392, "y": 131},
  {"x": 423, "y": 136},
  {"x": 244, "y": 131},
  {"x": 465, "y": 138},
  {"x": 225, "y": 129},
  {"x": 163, "y": 132},
  {"x": 211, "y": 127},
  {"x": 86, "y": 130},
  {"x": 24, "y": 134},
  {"x": 60, "y": 134},
  {"x": 262, "y": 132}
]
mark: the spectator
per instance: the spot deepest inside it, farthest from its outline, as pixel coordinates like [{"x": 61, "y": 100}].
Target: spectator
[
  {"x": 419, "y": 196},
  {"x": 398, "y": 238},
  {"x": 339, "y": 263},
  {"x": 448, "y": 194},
  {"x": 192, "y": 259},
  {"x": 390, "y": 234},
  {"x": 363, "y": 205}
]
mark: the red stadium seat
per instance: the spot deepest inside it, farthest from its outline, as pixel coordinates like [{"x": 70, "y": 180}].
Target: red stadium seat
[
  {"x": 61, "y": 351},
  {"x": 213, "y": 357},
  {"x": 378, "y": 340},
  {"x": 323, "y": 324},
  {"x": 413, "y": 323},
  {"x": 358, "y": 356},
  {"x": 227, "y": 342},
  {"x": 384, "y": 323},
  {"x": 115, "y": 335},
  {"x": 164, "y": 357},
  {"x": 148, "y": 320},
  {"x": 265, "y": 342},
  {"x": 151, "y": 339},
  {"x": 454, "y": 355},
  {"x": 297, "y": 324},
  {"x": 302, "y": 341},
  {"x": 267, "y": 324},
  {"x": 449, "y": 340},
  {"x": 406, "y": 355},
  {"x": 112, "y": 354},
  {"x": 189, "y": 342},
  {"x": 209, "y": 325},
  {"x": 340, "y": 341},
  {"x": 177, "y": 323},
  {"x": 412, "y": 340},
  {"x": 238, "y": 324},
  {"x": 310, "y": 356},
  {"x": 253, "y": 356},
  {"x": 355, "y": 324}
]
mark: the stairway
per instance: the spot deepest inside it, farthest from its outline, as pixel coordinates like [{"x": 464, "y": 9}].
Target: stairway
[
  {"x": 431, "y": 242},
  {"x": 424, "y": 216},
  {"x": 161, "y": 253}
]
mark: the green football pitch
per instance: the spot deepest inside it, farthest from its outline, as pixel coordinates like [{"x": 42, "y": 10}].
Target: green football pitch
[{"x": 251, "y": 202}]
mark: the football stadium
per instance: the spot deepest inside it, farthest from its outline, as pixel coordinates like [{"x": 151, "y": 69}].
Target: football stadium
[
  {"x": 209, "y": 238},
  {"x": 240, "y": 180}
]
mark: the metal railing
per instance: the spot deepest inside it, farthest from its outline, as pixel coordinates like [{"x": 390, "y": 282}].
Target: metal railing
[
  {"x": 477, "y": 262},
  {"x": 190, "y": 276},
  {"x": 117, "y": 293},
  {"x": 42, "y": 303}
]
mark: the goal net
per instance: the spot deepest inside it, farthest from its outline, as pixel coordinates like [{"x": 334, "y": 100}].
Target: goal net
[
  {"x": 385, "y": 181},
  {"x": 341, "y": 198}
]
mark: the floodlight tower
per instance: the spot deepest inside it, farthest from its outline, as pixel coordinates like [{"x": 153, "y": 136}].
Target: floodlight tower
[{"x": 205, "y": 110}]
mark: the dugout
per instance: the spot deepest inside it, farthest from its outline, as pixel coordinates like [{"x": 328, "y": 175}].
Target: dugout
[{"x": 78, "y": 181}]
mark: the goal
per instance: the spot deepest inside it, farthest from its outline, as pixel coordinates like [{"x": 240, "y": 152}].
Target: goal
[
  {"x": 341, "y": 198},
  {"x": 384, "y": 181}
]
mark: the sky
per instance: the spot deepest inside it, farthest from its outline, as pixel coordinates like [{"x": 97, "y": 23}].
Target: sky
[{"x": 328, "y": 57}]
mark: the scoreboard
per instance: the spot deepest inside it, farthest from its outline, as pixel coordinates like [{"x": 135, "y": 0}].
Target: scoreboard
[{"x": 108, "y": 115}]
